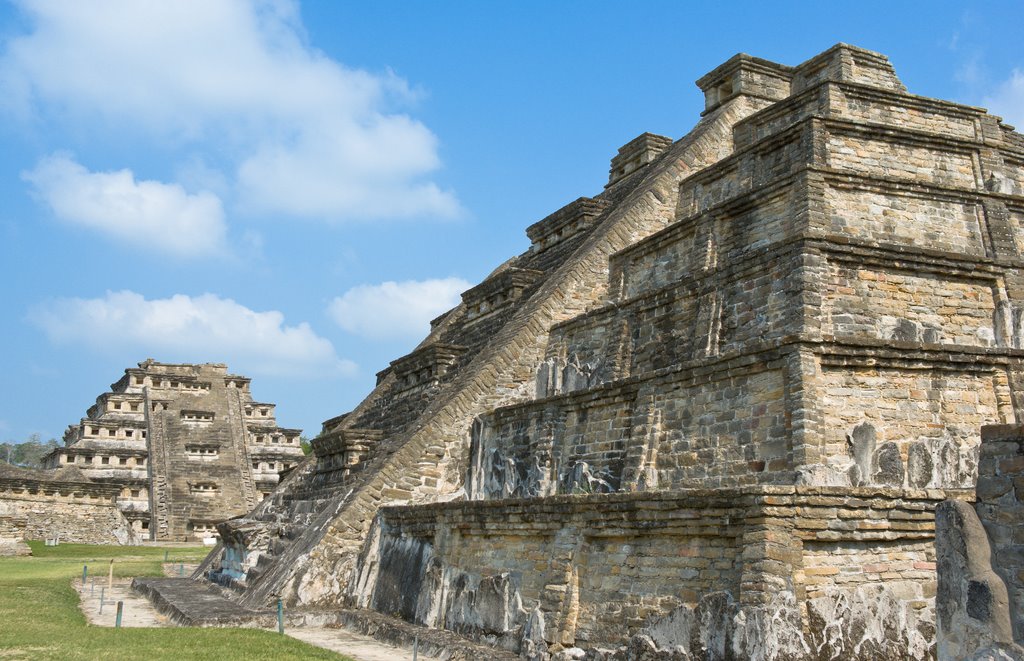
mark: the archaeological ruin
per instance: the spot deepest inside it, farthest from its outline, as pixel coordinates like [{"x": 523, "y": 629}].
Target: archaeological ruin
[
  {"x": 708, "y": 414},
  {"x": 59, "y": 505},
  {"x": 185, "y": 447}
]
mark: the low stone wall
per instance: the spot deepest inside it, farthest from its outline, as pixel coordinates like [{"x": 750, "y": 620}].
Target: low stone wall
[
  {"x": 757, "y": 572},
  {"x": 77, "y": 512}
]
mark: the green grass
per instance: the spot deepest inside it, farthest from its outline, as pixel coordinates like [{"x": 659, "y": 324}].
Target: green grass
[{"x": 39, "y": 616}]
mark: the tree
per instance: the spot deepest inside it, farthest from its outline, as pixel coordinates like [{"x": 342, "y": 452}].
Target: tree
[
  {"x": 28, "y": 454},
  {"x": 305, "y": 445}
]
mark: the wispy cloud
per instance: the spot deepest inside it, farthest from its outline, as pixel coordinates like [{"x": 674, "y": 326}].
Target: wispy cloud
[
  {"x": 1007, "y": 100},
  {"x": 395, "y": 309},
  {"x": 160, "y": 216},
  {"x": 297, "y": 132},
  {"x": 191, "y": 329}
]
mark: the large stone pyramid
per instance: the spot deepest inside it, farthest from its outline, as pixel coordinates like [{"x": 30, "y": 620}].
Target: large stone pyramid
[{"x": 709, "y": 412}]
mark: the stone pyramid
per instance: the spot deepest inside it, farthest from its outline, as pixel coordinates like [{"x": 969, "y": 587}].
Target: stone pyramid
[{"x": 709, "y": 412}]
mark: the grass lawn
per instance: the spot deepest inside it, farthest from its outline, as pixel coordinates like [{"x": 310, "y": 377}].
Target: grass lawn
[{"x": 39, "y": 616}]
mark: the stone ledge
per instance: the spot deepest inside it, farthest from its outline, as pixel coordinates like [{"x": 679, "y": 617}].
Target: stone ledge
[{"x": 756, "y": 496}]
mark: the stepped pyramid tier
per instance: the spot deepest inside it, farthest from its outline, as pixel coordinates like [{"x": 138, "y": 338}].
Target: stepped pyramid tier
[
  {"x": 710, "y": 411},
  {"x": 187, "y": 445}
]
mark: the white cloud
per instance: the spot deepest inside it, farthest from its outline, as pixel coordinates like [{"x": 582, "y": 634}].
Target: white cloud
[
  {"x": 160, "y": 216},
  {"x": 307, "y": 135},
  {"x": 395, "y": 309},
  {"x": 1008, "y": 100},
  {"x": 192, "y": 329}
]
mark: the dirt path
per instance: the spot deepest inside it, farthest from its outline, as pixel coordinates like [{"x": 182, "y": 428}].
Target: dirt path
[
  {"x": 357, "y": 646},
  {"x": 138, "y": 612}
]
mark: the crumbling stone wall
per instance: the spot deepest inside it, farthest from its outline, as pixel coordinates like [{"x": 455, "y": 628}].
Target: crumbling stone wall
[
  {"x": 53, "y": 504},
  {"x": 12, "y": 536},
  {"x": 980, "y": 601}
]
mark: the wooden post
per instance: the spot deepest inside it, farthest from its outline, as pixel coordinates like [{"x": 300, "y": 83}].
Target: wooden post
[
  {"x": 85, "y": 573},
  {"x": 110, "y": 576},
  {"x": 120, "y": 612}
]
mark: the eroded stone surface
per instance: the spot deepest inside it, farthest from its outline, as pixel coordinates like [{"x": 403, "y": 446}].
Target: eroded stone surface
[
  {"x": 12, "y": 536},
  {"x": 981, "y": 556},
  {"x": 973, "y": 606}
]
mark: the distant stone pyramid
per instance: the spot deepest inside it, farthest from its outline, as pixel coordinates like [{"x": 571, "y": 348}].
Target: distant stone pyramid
[
  {"x": 187, "y": 445},
  {"x": 709, "y": 412}
]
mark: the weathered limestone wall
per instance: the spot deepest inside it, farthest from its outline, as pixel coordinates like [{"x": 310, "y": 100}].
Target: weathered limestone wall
[
  {"x": 980, "y": 601},
  {"x": 716, "y": 572},
  {"x": 1000, "y": 506},
  {"x": 76, "y": 511},
  {"x": 12, "y": 536},
  {"x": 665, "y": 431}
]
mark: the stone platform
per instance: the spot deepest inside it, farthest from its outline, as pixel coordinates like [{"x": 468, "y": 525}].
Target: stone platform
[{"x": 195, "y": 604}]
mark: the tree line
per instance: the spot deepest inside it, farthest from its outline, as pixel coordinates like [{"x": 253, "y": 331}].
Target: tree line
[{"x": 28, "y": 454}]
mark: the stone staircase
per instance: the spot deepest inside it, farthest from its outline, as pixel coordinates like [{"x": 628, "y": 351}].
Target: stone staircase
[
  {"x": 280, "y": 519},
  {"x": 249, "y": 490},
  {"x": 158, "y": 460}
]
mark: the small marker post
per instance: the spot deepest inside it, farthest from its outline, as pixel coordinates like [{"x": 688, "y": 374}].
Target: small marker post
[
  {"x": 165, "y": 554},
  {"x": 280, "y": 616},
  {"x": 92, "y": 587},
  {"x": 120, "y": 612},
  {"x": 110, "y": 576},
  {"x": 415, "y": 648},
  {"x": 103, "y": 592},
  {"x": 181, "y": 569},
  {"x": 85, "y": 573}
]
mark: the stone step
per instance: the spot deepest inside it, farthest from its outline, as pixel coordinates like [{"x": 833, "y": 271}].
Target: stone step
[{"x": 199, "y": 604}]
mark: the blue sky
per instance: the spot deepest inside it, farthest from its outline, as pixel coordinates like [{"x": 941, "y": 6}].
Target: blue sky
[{"x": 296, "y": 189}]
